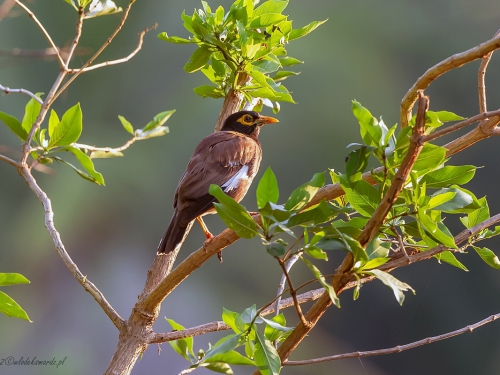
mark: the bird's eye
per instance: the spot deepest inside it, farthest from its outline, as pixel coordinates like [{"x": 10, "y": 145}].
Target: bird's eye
[{"x": 248, "y": 119}]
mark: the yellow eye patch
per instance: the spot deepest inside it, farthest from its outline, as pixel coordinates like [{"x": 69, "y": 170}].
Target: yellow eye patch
[{"x": 246, "y": 120}]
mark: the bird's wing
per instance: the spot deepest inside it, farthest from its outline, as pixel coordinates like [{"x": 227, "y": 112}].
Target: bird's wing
[{"x": 222, "y": 158}]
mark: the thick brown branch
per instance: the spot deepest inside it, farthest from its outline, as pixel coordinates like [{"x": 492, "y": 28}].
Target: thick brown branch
[
  {"x": 232, "y": 101},
  {"x": 396, "y": 349},
  {"x": 437, "y": 70}
]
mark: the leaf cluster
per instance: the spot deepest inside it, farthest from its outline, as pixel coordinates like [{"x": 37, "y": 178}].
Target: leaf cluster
[
  {"x": 8, "y": 306},
  {"x": 247, "y": 41},
  {"x": 258, "y": 345},
  {"x": 95, "y": 8}
]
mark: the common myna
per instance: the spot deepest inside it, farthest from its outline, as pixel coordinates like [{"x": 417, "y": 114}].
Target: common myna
[{"x": 229, "y": 158}]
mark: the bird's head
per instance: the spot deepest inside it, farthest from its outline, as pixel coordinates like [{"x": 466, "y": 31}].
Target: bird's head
[{"x": 247, "y": 122}]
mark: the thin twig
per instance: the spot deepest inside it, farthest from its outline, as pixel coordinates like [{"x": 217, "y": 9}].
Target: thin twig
[
  {"x": 8, "y": 90},
  {"x": 396, "y": 349},
  {"x": 102, "y": 48},
  {"x": 437, "y": 70},
  {"x": 76, "y": 40},
  {"x": 44, "y": 32},
  {"x": 117, "y": 320},
  {"x": 9, "y": 160},
  {"x": 481, "y": 75},
  {"x": 117, "y": 61},
  {"x": 125, "y": 146},
  {"x": 292, "y": 291},
  {"x": 281, "y": 286}
]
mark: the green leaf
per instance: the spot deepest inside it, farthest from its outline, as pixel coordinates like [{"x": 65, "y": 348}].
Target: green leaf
[
  {"x": 224, "y": 347},
  {"x": 488, "y": 256},
  {"x": 174, "y": 39},
  {"x": 31, "y": 113},
  {"x": 11, "y": 308},
  {"x": 457, "y": 199},
  {"x": 397, "y": 286},
  {"x": 184, "y": 346},
  {"x": 445, "y": 116},
  {"x": 436, "y": 230},
  {"x": 207, "y": 91},
  {"x": 87, "y": 163},
  {"x": 198, "y": 59},
  {"x": 299, "y": 33},
  {"x": 233, "y": 320},
  {"x": 231, "y": 357},
  {"x": 271, "y": 6},
  {"x": 283, "y": 74},
  {"x": 266, "y": 357},
  {"x": 449, "y": 257},
  {"x": 53, "y": 122},
  {"x": 105, "y": 154},
  {"x": 301, "y": 196},
  {"x": 158, "y": 121},
  {"x": 126, "y": 124},
  {"x": 220, "y": 367},
  {"x": 266, "y": 20},
  {"x": 314, "y": 215},
  {"x": 267, "y": 190},
  {"x": 12, "y": 279},
  {"x": 449, "y": 175},
  {"x": 275, "y": 327},
  {"x": 356, "y": 164},
  {"x": 363, "y": 197},
  {"x": 430, "y": 158},
  {"x": 276, "y": 249},
  {"x": 69, "y": 129},
  {"x": 477, "y": 216},
  {"x": 14, "y": 125},
  {"x": 249, "y": 314},
  {"x": 371, "y": 133},
  {"x": 319, "y": 276},
  {"x": 233, "y": 214},
  {"x": 289, "y": 61}
]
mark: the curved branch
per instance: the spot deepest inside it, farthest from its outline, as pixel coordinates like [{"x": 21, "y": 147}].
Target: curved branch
[
  {"x": 437, "y": 70},
  {"x": 117, "y": 320},
  {"x": 8, "y": 90},
  {"x": 481, "y": 75},
  {"x": 44, "y": 32},
  {"x": 117, "y": 61},
  {"x": 397, "y": 349}
]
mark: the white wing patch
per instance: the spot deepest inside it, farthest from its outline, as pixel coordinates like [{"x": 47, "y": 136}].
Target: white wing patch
[{"x": 234, "y": 181}]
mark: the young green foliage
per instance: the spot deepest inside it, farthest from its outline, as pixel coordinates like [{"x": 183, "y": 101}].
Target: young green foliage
[
  {"x": 8, "y": 306},
  {"x": 248, "y": 40}
]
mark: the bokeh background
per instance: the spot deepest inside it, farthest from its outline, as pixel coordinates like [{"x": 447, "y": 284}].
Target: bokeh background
[{"x": 371, "y": 51}]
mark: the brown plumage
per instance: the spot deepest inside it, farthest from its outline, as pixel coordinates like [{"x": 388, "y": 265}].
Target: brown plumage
[{"x": 229, "y": 158}]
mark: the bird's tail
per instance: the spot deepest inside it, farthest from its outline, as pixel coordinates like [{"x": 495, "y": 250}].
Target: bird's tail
[{"x": 175, "y": 235}]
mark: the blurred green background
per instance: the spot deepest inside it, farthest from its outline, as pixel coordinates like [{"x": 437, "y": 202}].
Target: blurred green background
[{"x": 371, "y": 51}]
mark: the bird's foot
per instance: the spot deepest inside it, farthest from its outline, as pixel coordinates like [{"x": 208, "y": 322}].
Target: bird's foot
[{"x": 219, "y": 255}]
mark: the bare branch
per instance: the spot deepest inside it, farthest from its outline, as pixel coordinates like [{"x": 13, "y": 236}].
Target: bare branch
[
  {"x": 481, "y": 75},
  {"x": 78, "y": 34},
  {"x": 42, "y": 53},
  {"x": 118, "y": 61},
  {"x": 437, "y": 70},
  {"x": 398, "y": 348},
  {"x": 281, "y": 286},
  {"x": 105, "y": 149},
  {"x": 20, "y": 91},
  {"x": 293, "y": 293},
  {"x": 9, "y": 160},
  {"x": 44, "y": 32},
  {"x": 117, "y": 320},
  {"x": 102, "y": 48}
]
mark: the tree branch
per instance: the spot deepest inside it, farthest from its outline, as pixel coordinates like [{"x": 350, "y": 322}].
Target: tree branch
[
  {"x": 6, "y": 7},
  {"x": 44, "y": 32},
  {"x": 117, "y": 61},
  {"x": 396, "y": 349},
  {"x": 117, "y": 320},
  {"x": 481, "y": 75},
  {"x": 9, "y": 160},
  {"x": 437, "y": 70},
  {"x": 8, "y": 90}
]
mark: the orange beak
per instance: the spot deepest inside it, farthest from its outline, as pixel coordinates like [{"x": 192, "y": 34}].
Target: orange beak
[{"x": 263, "y": 120}]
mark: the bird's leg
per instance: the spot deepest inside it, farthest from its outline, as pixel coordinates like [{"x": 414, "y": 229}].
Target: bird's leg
[{"x": 204, "y": 228}]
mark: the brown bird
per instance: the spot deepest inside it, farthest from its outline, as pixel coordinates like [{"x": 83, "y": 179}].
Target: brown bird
[{"x": 229, "y": 158}]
